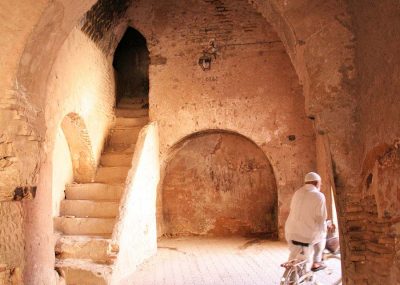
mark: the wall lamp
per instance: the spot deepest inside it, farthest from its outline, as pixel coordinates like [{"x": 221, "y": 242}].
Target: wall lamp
[
  {"x": 208, "y": 54},
  {"x": 205, "y": 61}
]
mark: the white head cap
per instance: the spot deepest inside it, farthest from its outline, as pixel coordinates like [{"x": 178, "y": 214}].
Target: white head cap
[{"x": 312, "y": 176}]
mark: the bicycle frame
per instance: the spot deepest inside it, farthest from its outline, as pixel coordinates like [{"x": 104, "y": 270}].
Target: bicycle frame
[{"x": 296, "y": 272}]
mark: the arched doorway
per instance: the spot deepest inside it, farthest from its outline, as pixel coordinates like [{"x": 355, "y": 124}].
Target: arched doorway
[
  {"x": 131, "y": 63},
  {"x": 219, "y": 183}
]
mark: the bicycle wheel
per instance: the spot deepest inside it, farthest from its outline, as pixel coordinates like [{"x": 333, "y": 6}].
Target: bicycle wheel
[{"x": 290, "y": 277}]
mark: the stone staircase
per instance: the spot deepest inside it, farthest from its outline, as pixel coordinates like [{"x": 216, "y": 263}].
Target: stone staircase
[{"x": 88, "y": 213}]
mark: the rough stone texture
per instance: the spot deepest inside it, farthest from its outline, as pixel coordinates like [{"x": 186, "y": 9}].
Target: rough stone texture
[
  {"x": 251, "y": 88},
  {"x": 11, "y": 235},
  {"x": 219, "y": 184},
  {"x": 17, "y": 142}
]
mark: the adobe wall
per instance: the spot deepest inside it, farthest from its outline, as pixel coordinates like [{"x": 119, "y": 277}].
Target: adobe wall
[
  {"x": 251, "y": 89},
  {"x": 376, "y": 221}
]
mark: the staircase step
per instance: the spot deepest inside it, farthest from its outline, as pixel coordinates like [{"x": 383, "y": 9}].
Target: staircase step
[
  {"x": 116, "y": 159},
  {"x": 129, "y": 113},
  {"x": 124, "y": 135},
  {"x": 89, "y": 209},
  {"x": 84, "y": 247},
  {"x": 84, "y": 226},
  {"x": 114, "y": 174},
  {"x": 94, "y": 191},
  {"x": 120, "y": 147},
  {"x": 132, "y": 106},
  {"x": 131, "y": 122},
  {"x": 83, "y": 272},
  {"x": 134, "y": 100}
]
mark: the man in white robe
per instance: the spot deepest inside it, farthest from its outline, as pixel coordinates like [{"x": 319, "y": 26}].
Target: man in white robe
[{"x": 305, "y": 228}]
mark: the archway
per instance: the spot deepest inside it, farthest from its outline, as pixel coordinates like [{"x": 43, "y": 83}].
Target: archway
[
  {"x": 131, "y": 63},
  {"x": 219, "y": 183},
  {"x": 76, "y": 134}
]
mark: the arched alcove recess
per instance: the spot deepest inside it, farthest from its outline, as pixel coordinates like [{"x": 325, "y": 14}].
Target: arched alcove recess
[
  {"x": 219, "y": 183},
  {"x": 379, "y": 209},
  {"x": 83, "y": 163}
]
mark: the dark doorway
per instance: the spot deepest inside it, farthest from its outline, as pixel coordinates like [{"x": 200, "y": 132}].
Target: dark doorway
[{"x": 131, "y": 63}]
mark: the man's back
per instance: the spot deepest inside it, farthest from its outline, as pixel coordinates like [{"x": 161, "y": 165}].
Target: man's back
[{"x": 306, "y": 221}]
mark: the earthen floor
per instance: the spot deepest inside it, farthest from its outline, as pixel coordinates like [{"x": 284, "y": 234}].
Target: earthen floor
[{"x": 203, "y": 261}]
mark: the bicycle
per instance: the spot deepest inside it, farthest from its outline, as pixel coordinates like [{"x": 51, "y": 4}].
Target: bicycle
[{"x": 296, "y": 272}]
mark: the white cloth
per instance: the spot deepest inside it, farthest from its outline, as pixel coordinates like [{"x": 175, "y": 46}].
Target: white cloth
[
  {"x": 319, "y": 250},
  {"x": 307, "y": 216}
]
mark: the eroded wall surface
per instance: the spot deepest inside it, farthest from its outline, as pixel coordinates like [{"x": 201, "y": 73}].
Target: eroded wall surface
[
  {"x": 251, "y": 87},
  {"x": 375, "y": 223},
  {"x": 14, "y": 32},
  {"x": 219, "y": 184},
  {"x": 11, "y": 235}
]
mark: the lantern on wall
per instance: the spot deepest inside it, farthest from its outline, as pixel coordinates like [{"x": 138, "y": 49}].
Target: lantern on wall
[
  {"x": 209, "y": 53},
  {"x": 205, "y": 61}
]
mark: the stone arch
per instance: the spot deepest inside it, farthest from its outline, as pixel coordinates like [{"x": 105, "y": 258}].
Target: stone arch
[
  {"x": 76, "y": 134},
  {"x": 41, "y": 35},
  {"x": 232, "y": 189}
]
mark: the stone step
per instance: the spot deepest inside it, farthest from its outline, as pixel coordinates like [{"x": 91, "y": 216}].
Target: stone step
[
  {"x": 83, "y": 272},
  {"x": 84, "y": 226},
  {"x": 94, "y": 191},
  {"x": 84, "y": 247},
  {"x": 116, "y": 159},
  {"x": 129, "y": 113},
  {"x": 89, "y": 209},
  {"x": 134, "y": 100},
  {"x": 121, "y": 135},
  {"x": 131, "y": 122},
  {"x": 114, "y": 174},
  {"x": 132, "y": 106},
  {"x": 120, "y": 147}
]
